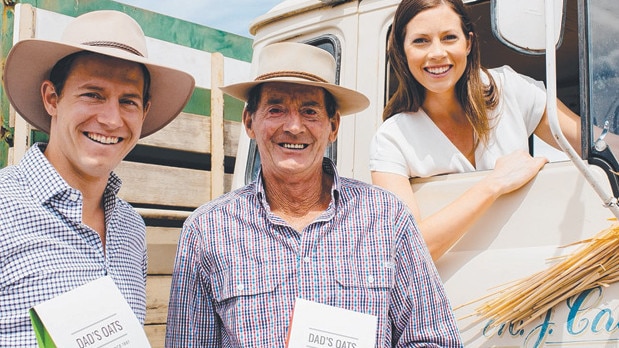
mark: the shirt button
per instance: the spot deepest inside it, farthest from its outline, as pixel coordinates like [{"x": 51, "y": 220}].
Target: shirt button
[
  {"x": 306, "y": 259},
  {"x": 73, "y": 197},
  {"x": 371, "y": 279},
  {"x": 240, "y": 287}
]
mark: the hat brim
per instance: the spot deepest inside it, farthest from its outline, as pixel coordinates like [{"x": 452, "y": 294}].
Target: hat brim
[
  {"x": 348, "y": 101},
  {"x": 30, "y": 61}
]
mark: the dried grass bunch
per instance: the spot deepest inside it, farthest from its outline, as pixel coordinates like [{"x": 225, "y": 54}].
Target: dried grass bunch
[{"x": 595, "y": 263}]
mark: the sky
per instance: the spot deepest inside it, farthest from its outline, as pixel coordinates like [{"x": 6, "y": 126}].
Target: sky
[{"x": 233, "y": 16}]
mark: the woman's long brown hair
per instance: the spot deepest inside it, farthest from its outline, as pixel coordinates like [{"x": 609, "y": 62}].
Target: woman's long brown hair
[{"x": 475, "y": 97}]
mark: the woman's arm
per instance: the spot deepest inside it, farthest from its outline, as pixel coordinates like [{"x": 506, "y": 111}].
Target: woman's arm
[
  {"x": 569, "y": 123},
  {"x": 571, "y": 129},
  {"x": 444, "y": 228}
]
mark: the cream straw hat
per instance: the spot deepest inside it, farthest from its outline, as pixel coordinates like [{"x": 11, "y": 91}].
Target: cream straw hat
[
  {"x": 111, "y": 33},
  {"x": 301, "y": 64}
]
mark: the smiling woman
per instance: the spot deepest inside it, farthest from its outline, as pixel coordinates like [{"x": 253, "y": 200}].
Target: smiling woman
[{"x": 475, "y": 118}]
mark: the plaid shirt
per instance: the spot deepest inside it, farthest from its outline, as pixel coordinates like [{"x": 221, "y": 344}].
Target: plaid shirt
[
  {"x": 239, "y": 268},
  {"x": 45, "y": 250}
]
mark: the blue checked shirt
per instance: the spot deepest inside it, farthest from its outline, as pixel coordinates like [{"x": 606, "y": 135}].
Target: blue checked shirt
[
  {"x": 239, "y": 268},
  {"x": 45, "y": 250}
]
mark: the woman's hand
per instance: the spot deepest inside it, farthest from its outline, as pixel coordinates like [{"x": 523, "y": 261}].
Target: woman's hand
[
  {"x": 445, "y": 227},
  {"x": 513, "y": 171}
]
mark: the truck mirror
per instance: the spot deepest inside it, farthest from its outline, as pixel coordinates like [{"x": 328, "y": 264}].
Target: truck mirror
[{"x": 520, "y": 24}]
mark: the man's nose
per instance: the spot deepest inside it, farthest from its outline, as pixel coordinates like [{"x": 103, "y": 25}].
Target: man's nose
[
  {"x": 294, "y": 122},
  {"x": 110, "y": 115}
]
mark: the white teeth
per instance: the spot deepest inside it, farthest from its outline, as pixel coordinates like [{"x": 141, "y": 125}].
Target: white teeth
[
  {"x": 103, "y": 139},
  {"x": 437, "y": 70},
  {"x": 294, "y": 146}
]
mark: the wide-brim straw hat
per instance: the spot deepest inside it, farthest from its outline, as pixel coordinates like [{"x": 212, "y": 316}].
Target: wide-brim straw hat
[
  {"x": 301, "y": 64},
  {"x": 111, "y": 33}
]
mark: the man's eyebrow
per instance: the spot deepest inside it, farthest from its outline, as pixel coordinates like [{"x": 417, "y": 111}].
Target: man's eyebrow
[
  {"x": 278, "y": 100},
  {"x": 90, "y": 87},
  {"x": 274, "y": 100},
  {"x": 132, "y": 95},
  {"x": 96, "y": 88},
  {"x": 311, "y": 103}
]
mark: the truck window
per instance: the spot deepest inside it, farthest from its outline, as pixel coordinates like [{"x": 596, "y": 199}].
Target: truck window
[
  {"x": 603, "y": 67},
  {"x": 602, "y": 72},
  {"x": 330, "y": 44}
]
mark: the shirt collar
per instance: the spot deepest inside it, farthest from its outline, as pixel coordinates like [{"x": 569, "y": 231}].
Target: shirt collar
[{"x": 45, "y": 181}]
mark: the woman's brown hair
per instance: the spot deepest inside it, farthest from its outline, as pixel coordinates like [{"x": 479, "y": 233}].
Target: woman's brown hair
[{"x": 475, "y": 97}]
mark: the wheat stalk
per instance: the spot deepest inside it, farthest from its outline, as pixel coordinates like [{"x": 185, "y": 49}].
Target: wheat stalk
[{"x": 595, "y": 263}]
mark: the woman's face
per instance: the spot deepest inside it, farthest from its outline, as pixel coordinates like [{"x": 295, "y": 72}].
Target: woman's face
[{"x": 436, "y": 49}]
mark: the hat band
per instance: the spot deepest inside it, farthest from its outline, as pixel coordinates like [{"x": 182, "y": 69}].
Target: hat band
[
  {"x": 303, "y": 75},
  {"x": 113, "y": 45}
]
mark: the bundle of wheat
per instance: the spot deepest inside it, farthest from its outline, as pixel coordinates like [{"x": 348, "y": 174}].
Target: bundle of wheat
[{"x": 595, "y": 263}]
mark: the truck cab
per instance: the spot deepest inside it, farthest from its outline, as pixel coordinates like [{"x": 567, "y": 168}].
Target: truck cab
[{"x": 524, "y": 229}]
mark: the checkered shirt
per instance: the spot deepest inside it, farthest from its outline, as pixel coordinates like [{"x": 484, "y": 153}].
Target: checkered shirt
[
  {"x": 45, "y": 250},
  {"x": 239, "y": 268}
]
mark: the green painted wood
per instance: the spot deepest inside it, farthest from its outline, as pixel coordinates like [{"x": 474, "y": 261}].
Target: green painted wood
[
  {"x": 161, "y": 27},
  {"x": 200, "y": 104},
  {"x": 6, "y": 41},
  {"x": 173, "y": 30}
]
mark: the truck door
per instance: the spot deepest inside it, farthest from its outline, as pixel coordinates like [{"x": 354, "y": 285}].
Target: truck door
[{"x": 526, "y": 230}]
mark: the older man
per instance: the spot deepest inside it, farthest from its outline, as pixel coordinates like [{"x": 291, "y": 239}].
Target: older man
[
  {"x": 61, "y": 224},
  {"x": 300, "y": 230}
]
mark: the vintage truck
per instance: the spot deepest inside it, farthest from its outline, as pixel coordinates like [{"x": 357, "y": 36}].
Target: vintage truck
[{"x": 571, "y": 199}]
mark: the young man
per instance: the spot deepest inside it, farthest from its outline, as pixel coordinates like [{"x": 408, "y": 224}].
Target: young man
[
  {"x": 302, "y": 231},
  {"x": 96, "y": 93}
]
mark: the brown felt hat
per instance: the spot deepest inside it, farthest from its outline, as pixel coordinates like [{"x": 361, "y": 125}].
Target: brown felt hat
[{"x": 111, "y": 33}]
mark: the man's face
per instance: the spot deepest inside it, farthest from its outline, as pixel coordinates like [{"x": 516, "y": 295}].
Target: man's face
[
  {"x": 292, "y": 129},
  {"x": 98, "y": 117}
]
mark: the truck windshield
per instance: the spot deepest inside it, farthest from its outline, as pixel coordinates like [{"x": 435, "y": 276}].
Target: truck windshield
[
  {"x": 603, "y": 53},
  {"x": 601, "y": 76}
]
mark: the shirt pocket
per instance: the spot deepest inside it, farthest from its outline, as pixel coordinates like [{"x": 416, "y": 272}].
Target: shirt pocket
[
  {"x": 247, "y": 279},
  {"x": 352, "y": 273}
]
